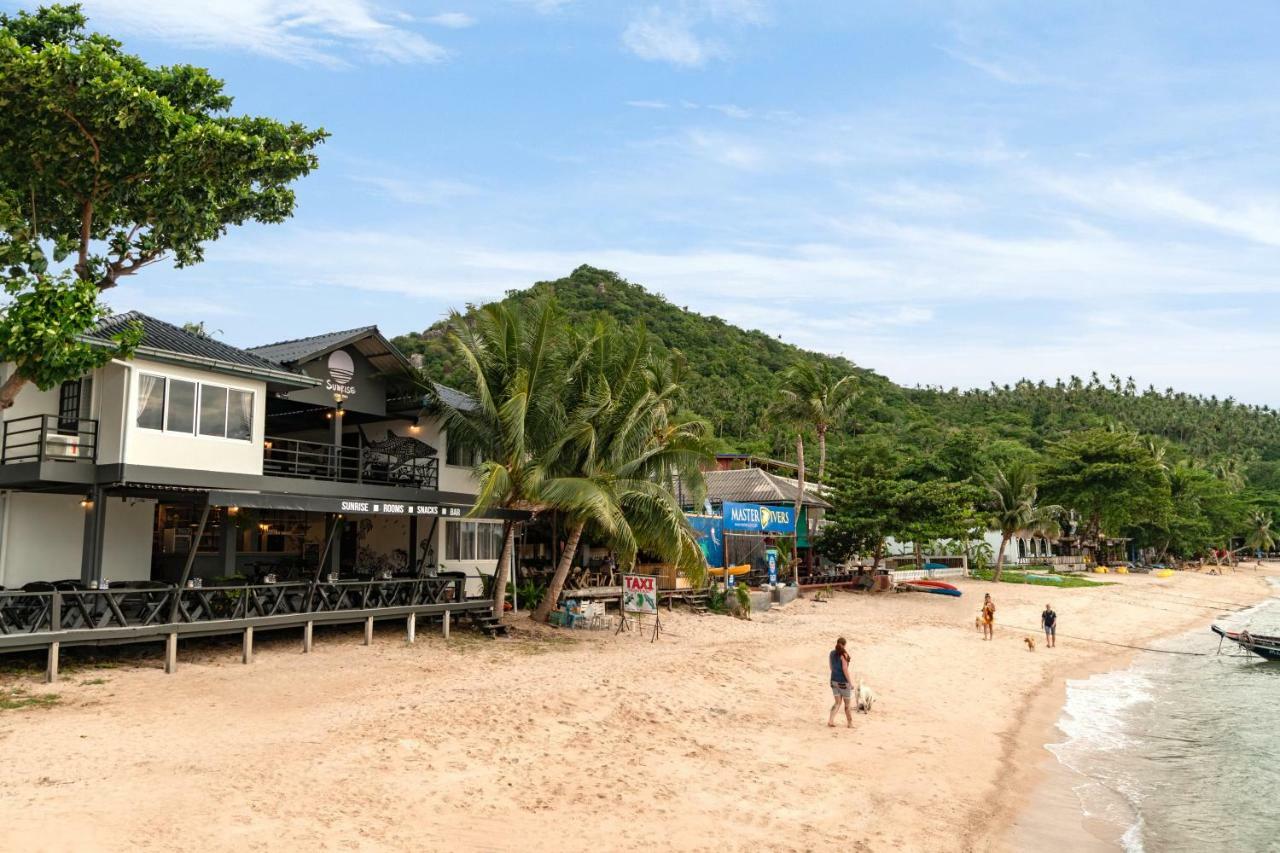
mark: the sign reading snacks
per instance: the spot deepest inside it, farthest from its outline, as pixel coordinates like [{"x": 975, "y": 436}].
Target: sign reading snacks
[
  {"x": 640, "y": 594},
  {"x": 755, "y": 518}
]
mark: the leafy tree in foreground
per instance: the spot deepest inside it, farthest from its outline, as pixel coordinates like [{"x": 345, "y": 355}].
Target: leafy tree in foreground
[
  {"x": 1015, "y": 507},
  {"x": 1261, "y": 538},
  {"x": 114, "y": 165}
]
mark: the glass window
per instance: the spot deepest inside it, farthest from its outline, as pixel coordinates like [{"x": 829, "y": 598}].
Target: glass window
[
  {"x": 150, "y": 401},
  {"x": 490, "y": 544},
  {"x": 180, "y": 410},
  {"x": 213, "y": 410},
  {"x": 240, "y": 415},
  {"x": 69, "y": 405},
  {"x": 452, "y": 535}
]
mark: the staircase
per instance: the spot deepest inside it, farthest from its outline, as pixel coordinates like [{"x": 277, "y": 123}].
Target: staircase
[
  {"x": 487, "y": 623},
  {"x": 697, "y": 602}
]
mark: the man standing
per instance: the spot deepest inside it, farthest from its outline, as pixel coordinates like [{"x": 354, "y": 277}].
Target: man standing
[{"x": 1049, "y": 620}]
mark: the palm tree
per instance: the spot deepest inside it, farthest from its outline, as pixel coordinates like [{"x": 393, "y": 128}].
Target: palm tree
[
  {"x": 514, "y": 374},
  {"x": 815, "y": 395},
  {"x": 620, "y": 448},
  {"x": 1261, "y": 537},
  {"x": 1015, "y": 508}
]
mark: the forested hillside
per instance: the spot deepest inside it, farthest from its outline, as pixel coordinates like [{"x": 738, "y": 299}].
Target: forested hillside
[{"x": 735, "y": 375}]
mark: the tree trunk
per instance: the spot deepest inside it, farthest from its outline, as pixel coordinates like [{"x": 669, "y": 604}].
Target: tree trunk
[
  {"x": 877, "y": 553},
  {"x": 9, "y": 390},
  {"x": 1004, "y": 543},
  {"x": 799, "y": 500},
  {"x": 504, "y": 562},
  {"x": 822, "y": 456},
  {"x": 551, "y": 600}
]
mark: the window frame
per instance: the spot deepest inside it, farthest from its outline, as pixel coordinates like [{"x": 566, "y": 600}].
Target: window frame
[{"x": 198, "y": 399}]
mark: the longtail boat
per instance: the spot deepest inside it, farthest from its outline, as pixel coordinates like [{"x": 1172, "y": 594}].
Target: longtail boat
[{"x": 1260, "y": 644}]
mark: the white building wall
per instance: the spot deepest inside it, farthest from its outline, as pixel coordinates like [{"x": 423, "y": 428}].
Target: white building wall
[
  {"x": 126, "y": 544},
  {"x": 175, "y": 450},
  {"x": 42, "y": 540}
]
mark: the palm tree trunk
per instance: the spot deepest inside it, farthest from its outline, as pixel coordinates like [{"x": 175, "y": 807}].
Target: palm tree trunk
[
  {"x": 501, "y": 572},
  {"x": 822, "y": 455},
  {"x": 551, "y": 600},
  {"x": 799, "y": 501},
  {"x": 1004, "y": 543}
]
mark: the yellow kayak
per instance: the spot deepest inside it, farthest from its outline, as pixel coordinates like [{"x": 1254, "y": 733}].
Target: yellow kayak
[
  {"x": 733, "y": 570},
  {"x": 1164, "y": 573}
]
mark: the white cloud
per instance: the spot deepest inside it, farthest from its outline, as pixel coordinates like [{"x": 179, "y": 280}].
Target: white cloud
[
  {"x": 732, "y": 110},
  {"x": 727, "y": 150},
  {"x": 544, "y": 7},
  {"x": 321, "y": 32},
  {"x": 417, "y": 191},
  {"x": 648, "y": 105},
  {"x": 661, "y": 36},
  {"x": 452, "y": 20}
]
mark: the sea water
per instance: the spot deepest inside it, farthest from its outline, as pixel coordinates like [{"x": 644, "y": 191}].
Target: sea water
[{"x": 1181, "y": 752}]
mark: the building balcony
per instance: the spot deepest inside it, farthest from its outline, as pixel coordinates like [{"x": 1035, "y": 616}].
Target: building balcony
[
  {"x": 48, "y": 438},
  {"x": 310, "y": 460}
]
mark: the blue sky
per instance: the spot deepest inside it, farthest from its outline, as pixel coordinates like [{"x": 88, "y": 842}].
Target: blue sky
[{"x": 949, "y": 193}]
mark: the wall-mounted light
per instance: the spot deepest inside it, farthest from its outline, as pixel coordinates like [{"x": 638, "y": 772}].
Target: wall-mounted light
[
  {"x": 232, "y": 510},
  {"x": 86, "y": 503},
  {"x": 415, "y": 426},
  {"x": 263, "y": 526},
  {"x": 267, "y": 444}
]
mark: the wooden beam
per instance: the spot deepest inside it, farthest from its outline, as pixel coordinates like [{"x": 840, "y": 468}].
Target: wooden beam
[
  {"x": 171, "y": 653},
  {"x": 246, "y": 655},
  {"x": 328, "y": 543},
  {"x": 51, "y": 667},
  {"x": 368, "y": 631},
  {"x": 186, "y": 568},
  {"x": 411, "y": 627}
]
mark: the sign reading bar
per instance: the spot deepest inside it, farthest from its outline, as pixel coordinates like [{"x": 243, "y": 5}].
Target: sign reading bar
[
  {"x": 640, "y": 594},
  {"x": 756, "y": 518}
]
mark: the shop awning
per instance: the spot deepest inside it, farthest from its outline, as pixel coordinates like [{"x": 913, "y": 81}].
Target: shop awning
[{"x": 348, "y": 506}]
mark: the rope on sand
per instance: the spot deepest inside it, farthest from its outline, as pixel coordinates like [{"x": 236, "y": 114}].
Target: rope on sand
[{"x": 1118, "y": 645}]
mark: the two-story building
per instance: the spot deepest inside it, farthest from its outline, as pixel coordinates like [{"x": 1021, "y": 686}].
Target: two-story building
[{"x": 195, "y": 463}]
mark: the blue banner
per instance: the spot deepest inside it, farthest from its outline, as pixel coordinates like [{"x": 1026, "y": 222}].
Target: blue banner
[
  {"x": 755, "y": 518},
  {"x": 710, "y": 538}
]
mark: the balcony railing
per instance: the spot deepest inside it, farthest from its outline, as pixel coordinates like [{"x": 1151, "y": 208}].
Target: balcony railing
[
  {"x": 310, "y": 460},
  {"x": 48, "y": 438}
]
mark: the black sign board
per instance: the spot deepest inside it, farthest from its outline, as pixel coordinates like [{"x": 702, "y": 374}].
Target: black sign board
[{"x": 347, "y": 375}]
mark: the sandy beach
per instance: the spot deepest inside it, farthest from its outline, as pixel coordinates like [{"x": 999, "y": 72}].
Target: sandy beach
[{"x": 713, "y": 738}]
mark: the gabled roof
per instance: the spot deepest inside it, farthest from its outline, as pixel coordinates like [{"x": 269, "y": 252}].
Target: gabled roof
[
  {"x": 166, "y": 342},
  {"x": 755, "y": 485},
  {"x": 454, "y": 398},
  {"x": 366, "y": 340}
]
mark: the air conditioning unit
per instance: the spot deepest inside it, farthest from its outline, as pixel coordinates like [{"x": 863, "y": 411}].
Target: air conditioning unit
[{"x": 57, "y": 446}]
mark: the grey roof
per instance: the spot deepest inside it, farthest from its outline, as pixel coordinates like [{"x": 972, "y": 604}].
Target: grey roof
[
  {"x": 754, "y": 485},
  {"x": 367, "y": 340},
  {"x": 166, "y": 342},
  {"x": 454, "y": 398}
]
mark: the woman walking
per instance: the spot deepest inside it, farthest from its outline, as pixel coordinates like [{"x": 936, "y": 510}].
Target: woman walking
[
  {"x": 841, "y": 684},
  {"x": 988, "y": 618}
]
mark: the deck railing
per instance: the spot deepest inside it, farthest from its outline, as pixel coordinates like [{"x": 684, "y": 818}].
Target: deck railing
[
  {"x": 312, "y": 460},
  {"x": 48, "y": 438},
  {"x": 152, "y": 605}
]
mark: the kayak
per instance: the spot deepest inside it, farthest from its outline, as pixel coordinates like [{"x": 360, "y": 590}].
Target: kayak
[
  {"x": 939, "y": 584},
  {"x": 924, "y": 586},
  {"x": 936, "y": 566}
]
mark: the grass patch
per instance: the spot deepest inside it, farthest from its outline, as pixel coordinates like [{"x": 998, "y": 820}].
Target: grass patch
[
  {"x": 91, "y": 681},
  {"x": 16, "y": 698},
  {"x": 1067, "y": 582}
]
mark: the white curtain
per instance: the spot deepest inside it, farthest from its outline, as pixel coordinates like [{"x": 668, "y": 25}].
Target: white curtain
[
  {"x": 246, "y": 412},
  {"x": 146, "y": 386}
]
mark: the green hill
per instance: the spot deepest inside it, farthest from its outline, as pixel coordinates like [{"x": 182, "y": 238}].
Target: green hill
[{"x": 734, "y": 375}]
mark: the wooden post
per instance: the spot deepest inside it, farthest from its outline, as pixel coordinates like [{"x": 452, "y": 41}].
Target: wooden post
[
  {"x": 51, "y": 668},
  {"x": 368, "y": 631},
  {"x": 328, "y": 544},
  {"x": 412, "y": 627},
  {"x": 171, "y": 653},
  {"x": 447, "y": 613},
  {"x": 246, "y": 655},
  {"x": 306, "y": 637},
  {"x": 186, "y": 568}
]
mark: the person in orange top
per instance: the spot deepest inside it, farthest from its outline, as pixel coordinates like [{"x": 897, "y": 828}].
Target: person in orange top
[{"x": 988, "y": 618}]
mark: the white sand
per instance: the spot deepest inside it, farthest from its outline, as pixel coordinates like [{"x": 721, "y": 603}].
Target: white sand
[{"x": 714, "y": 738}]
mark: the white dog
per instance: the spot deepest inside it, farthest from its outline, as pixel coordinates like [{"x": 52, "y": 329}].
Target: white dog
[{"x": 865, "y": 698}]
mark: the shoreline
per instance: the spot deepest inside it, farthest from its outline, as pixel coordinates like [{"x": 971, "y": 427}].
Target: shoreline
[{"x": 1046, "y": 803}]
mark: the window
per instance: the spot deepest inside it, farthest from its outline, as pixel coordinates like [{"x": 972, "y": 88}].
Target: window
[
  {"x": 180, "y": 407},
  {"x": 69, "y": 406},
  {"x": 176, "y": 405},
  {"x": 457, "y": 455},
  {"x": 472, "y": 540},
  {"x": 150, "y": 401}
]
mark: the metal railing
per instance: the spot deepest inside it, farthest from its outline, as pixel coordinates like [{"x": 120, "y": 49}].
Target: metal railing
[
  {"x": 311, "y": 460},
  {"x": 152, "y": 605},
  {"x": 45, "y": 438}
]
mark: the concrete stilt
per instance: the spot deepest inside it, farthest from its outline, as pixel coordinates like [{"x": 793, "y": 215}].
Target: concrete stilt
[
  {"x": 171, "y": 653},
  {"x": 51, "y": 668},
  {"x": 247, "y": 653},
  {"x": 446, "y": 624},
  {"x": 306, "y": 637},
  {"x": 411, "y": 626},
  {"x": 368, "y": 631}
]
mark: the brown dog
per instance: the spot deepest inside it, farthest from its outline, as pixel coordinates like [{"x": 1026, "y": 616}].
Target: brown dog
[
  {"x": 977, "y": 622},
  {"x": 1031, "y": 644}
]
